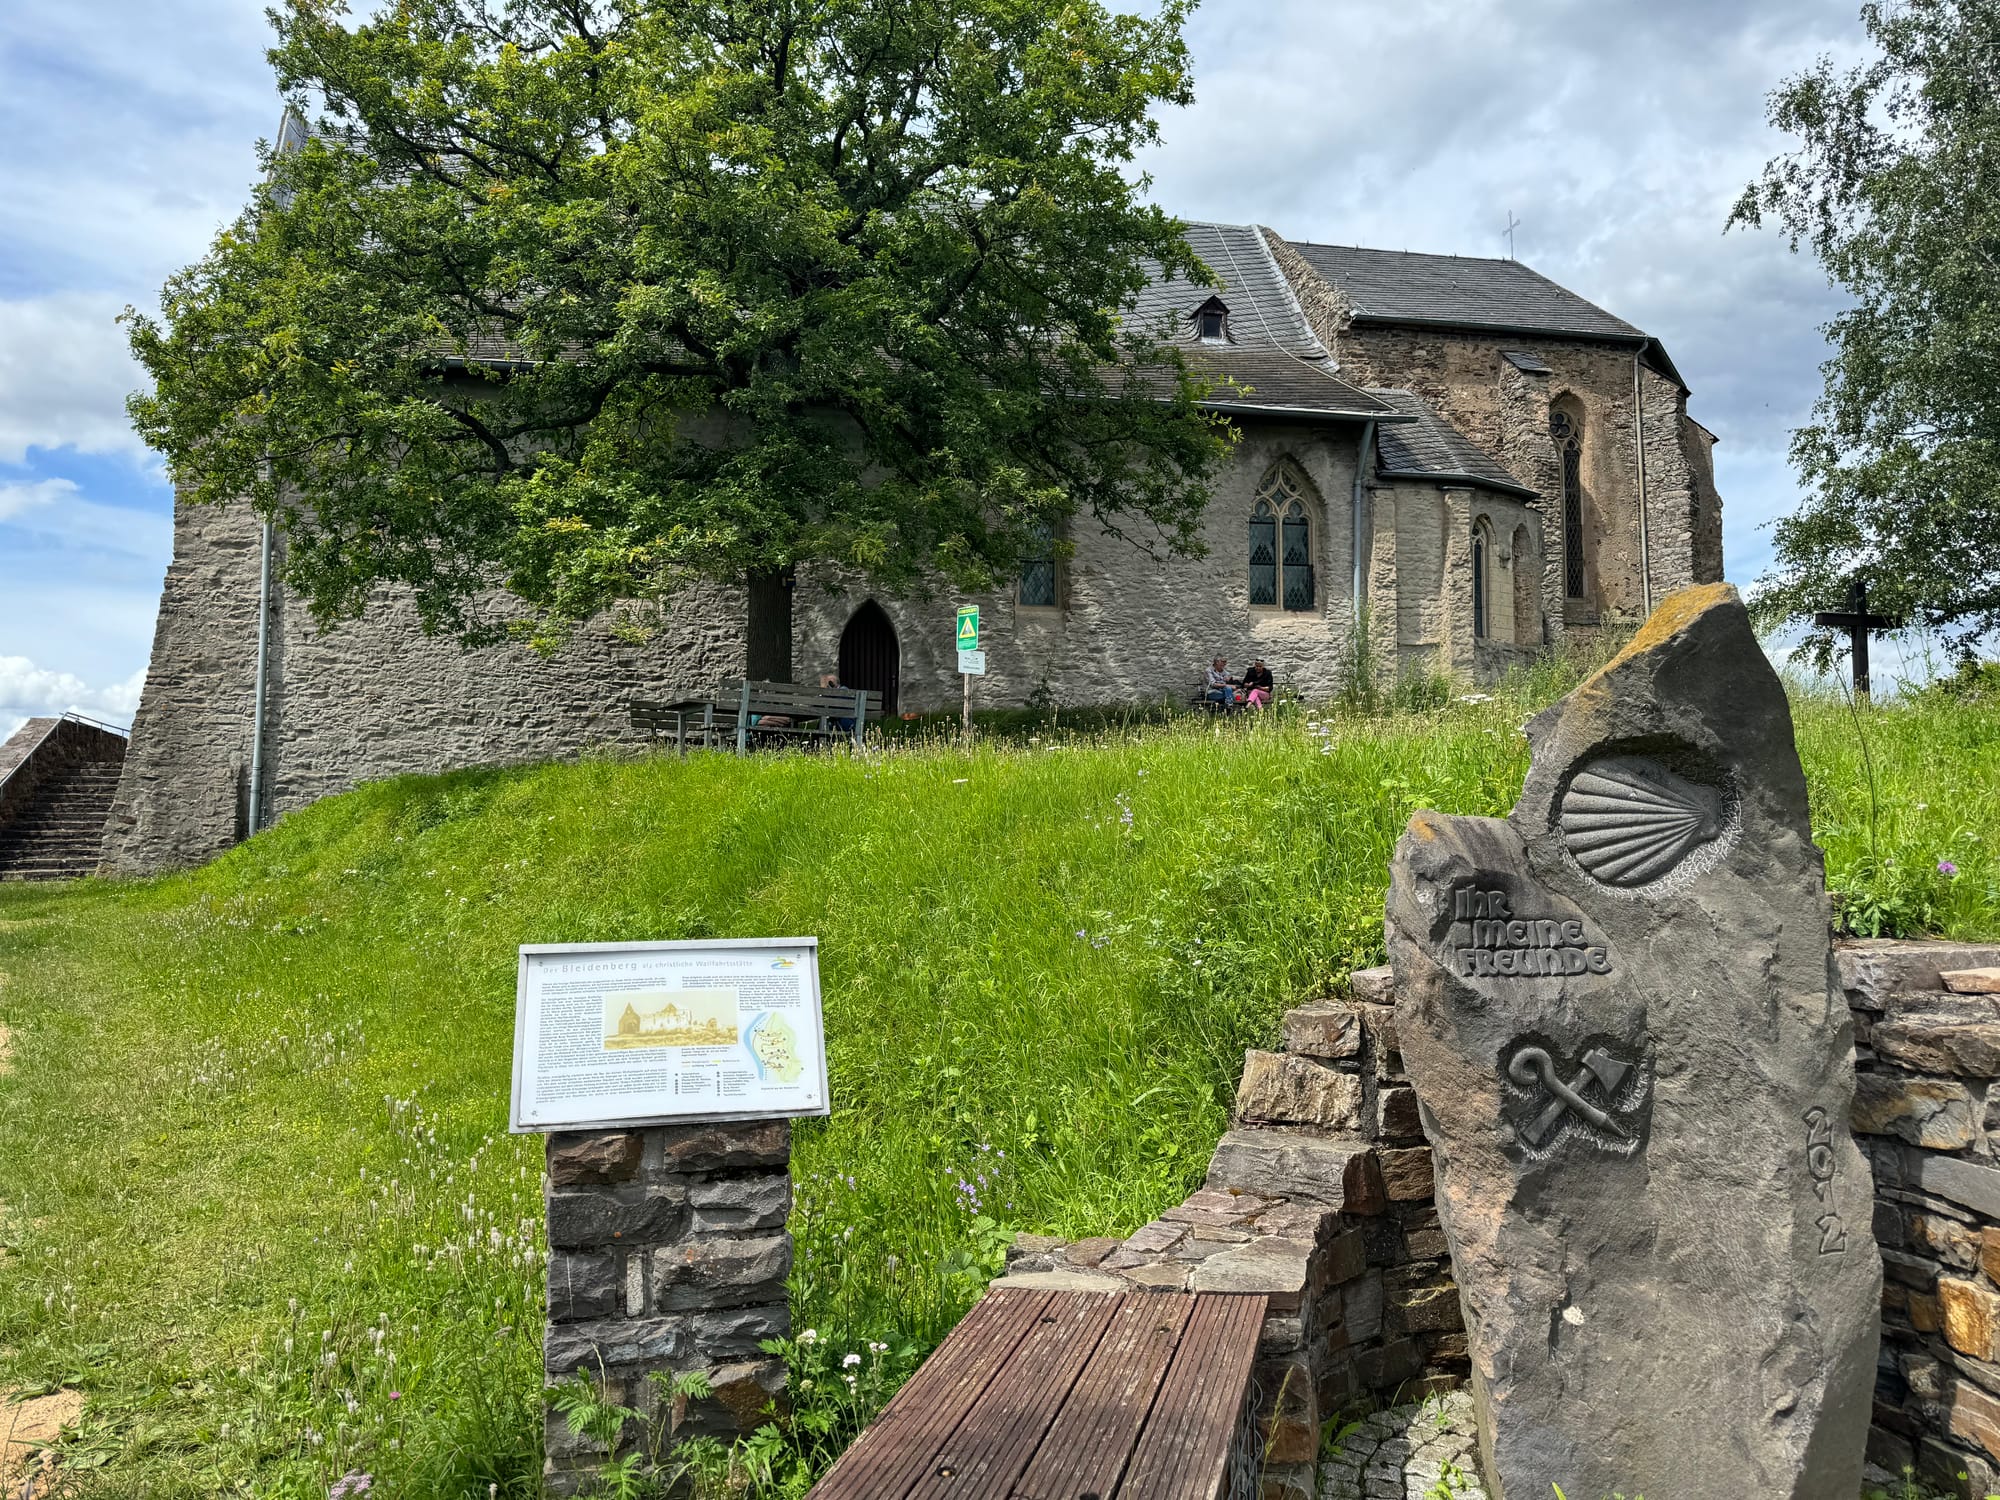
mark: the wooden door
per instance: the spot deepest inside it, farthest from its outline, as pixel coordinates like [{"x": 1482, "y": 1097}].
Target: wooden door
[{"x": 868, "y": 655}]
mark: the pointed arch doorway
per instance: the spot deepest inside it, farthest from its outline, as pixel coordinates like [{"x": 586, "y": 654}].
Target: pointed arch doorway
[{"x": 868, "y": 654}]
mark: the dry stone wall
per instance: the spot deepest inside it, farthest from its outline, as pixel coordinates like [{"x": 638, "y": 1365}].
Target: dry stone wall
[
  {"x": 1927, "y": 1111},
  {"x": 667, "y": 1255},
  {"x": 1320, "y": 1198}
]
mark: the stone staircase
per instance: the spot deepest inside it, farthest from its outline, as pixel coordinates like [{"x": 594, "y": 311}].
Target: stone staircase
[{"x": 54, "y": 817}]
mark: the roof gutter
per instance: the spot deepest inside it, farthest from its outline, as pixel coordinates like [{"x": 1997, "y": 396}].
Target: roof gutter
[
  {"x": 1478, "y": 481},
  {"x": 1319, "y": 413}
]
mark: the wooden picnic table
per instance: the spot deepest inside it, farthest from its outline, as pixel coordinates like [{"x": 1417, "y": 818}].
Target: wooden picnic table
[{"x": 1054, "y": 1395}]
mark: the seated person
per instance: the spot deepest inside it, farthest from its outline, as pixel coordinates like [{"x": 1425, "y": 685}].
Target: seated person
[
  {"x": 829, "y": 682},
  {"x": 1257, "y": 684},
  {"x": 1220, "y": 687}
]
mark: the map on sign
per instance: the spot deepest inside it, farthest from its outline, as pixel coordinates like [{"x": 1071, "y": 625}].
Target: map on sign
[
  {"x": 968, "y": 627},
  {"x": 612, "y": 1034}
]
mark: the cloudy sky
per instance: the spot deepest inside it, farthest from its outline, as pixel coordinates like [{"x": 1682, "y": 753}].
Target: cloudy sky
[{"x": 1617, "y": 132}]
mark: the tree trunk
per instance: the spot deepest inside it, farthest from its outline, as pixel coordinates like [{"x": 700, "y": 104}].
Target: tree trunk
[{"x": 767, "y": 632}]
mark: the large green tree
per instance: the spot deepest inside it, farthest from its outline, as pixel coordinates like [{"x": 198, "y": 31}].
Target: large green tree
[
  {"x": 590, "y": 299},
  {"x": 1896, "y": 189}
]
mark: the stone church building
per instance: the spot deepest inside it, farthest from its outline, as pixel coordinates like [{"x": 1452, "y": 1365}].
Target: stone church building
[{"x": 1457, "y": 453}]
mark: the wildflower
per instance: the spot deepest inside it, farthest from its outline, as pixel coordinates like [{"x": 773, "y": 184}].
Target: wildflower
[
  {"x": 849, "y": 1361},
  {"x": 1946, "y": 867},
  {"x": 395, "y": 1395},
  {"x": 810, "y": 1336},
  {"x": 875, "y": 1348}
]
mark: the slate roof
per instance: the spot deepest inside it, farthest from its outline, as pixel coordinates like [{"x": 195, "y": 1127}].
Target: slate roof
[
  {"x": 1429, "y": 447},
  {"x": 1272, "y": 350},
  {"x": 1263, "y": 313},
  {"x": 1398, "y": 286}
]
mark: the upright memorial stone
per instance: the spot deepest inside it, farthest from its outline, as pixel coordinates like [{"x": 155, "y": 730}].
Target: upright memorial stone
[{"x": 1636, "y": 1070}]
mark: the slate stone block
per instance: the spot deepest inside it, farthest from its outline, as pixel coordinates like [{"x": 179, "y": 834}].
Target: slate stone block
[
  {"x": 1401, "y": 1120},
  {"x": 1326, "y": 1030},
  {"x": 1310, "y": 1169},
  {"x": 656, "y": 1342},
  {"x": 1407, "y": 1174},
  {"x": 721, "y": 1147},
  {"x": 734, "y": 1204},
  {"x": 718, "y": 1272},
  {"x": 577, "y": 1158},
  {"x": 735, "y": 1332},
  {"x": 1971, "y": 1316},
  {"x": 1280, "y": 1088},
  {"x": 1935, "y": 1113},
  {"x": 1968, "y": 1183},
  {"x": 1276, "y": 1267},
  {"x": 586, "y": 1286},
  {"x": 601, "y": 1218},
  {"x": 1940, "y": 1042}
]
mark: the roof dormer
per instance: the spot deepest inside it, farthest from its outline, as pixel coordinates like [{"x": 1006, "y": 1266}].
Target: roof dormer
[{"x": 1211, "y": 321}]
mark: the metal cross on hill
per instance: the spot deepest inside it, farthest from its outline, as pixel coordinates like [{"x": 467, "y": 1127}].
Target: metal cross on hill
[{"x": 1857, "y": 622}]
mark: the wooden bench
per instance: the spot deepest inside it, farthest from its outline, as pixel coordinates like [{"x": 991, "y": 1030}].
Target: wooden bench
[
  {"x": 1053, "y": 1395},
  {"x": 742, "y": 710}
]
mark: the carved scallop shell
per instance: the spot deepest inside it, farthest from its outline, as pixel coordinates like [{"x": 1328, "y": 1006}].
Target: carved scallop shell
[{"x": 1628, "y": 820}]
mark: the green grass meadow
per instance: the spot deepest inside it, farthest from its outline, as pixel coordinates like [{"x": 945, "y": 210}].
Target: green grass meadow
[{"x": 259, "y": 1200}]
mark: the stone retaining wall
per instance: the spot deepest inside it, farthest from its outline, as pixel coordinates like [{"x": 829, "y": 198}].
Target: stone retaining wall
[
  {"x": 1319, "y": 1197},
  {"x": 667, "y": 1254},
  {"x": 1927, "y": 1111}
]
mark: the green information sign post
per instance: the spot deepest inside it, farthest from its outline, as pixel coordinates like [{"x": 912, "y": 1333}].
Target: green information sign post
[{"x": 971, "y": 662}]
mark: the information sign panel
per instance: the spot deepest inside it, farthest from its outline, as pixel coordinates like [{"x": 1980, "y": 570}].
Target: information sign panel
[
  {"x": 968, "y": 627},
  {"x": 972, "y": 663},
  {"x": 618, "y": 1034}
]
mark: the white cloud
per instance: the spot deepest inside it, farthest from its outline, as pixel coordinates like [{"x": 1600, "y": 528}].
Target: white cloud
[
  {"x": 65, "y": 372},
  {"x": 28, "y": 691},
  {"x": 54, "y": 510}
]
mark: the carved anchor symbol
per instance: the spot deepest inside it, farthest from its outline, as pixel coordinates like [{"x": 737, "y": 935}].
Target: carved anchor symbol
[{"x": 1531, "y": 1065}]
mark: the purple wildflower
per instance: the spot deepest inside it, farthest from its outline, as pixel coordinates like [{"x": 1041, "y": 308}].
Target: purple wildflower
[
  {"x": 1946, "y": 867},
  {"x": 351, "y": 1485}
]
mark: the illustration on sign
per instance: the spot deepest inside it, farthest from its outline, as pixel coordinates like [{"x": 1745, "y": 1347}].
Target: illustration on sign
[
  {"x": 637, "y": 1033},
  {"x": 968, "y": 627}
]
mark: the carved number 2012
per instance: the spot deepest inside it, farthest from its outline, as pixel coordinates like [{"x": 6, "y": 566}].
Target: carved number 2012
[{"x": 1820, "y": 1163}]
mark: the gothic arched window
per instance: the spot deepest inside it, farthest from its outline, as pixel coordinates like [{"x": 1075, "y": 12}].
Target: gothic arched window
[
  {"x": 1567, "y": 431},
  {"x": 1038, "y": 569},
  {"x": 1482, "y": 589},
  {"x": 1281, "y": 569}
]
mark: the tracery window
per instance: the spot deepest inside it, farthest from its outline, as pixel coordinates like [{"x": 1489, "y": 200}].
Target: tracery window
[
  {"x": 1482, "y": 560},
  {"x": 1038, "y": 569},
  {"x": 1281, "y": 569},
  {"x": 1567, "y": 431}
]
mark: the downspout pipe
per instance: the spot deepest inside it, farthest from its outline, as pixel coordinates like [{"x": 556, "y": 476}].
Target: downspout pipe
[
  {"x": 1639, "y": 442},
  {"x": 263, "y": 674},
  {"x": 1364, "y": 457}
]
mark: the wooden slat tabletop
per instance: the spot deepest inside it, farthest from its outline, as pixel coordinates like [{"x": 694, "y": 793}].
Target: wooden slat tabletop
[{"x": 1058, "y": 1395}]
